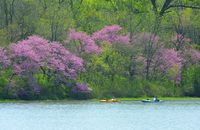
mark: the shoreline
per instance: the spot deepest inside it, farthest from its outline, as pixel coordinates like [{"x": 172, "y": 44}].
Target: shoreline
[{"x": 121, "y": 99}]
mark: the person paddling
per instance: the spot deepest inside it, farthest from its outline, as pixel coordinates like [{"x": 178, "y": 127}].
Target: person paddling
[{"x": 155, "y": 99}]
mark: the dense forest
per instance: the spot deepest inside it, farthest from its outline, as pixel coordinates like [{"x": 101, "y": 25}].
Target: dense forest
[{"x": 57, "y": 49}]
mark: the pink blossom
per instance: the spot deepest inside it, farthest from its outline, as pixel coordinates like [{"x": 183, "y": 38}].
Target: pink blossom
[
  {"x": 88, "y": 43},
  {"x": 168, "y": 59},
  {"x": 110, "y": 34},
  {"x": 61, "y": 59},
  {"x": 35, "y": 52}
]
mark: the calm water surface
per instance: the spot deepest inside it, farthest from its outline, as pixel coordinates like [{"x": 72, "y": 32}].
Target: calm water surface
[{"x": 91, "y": 115}]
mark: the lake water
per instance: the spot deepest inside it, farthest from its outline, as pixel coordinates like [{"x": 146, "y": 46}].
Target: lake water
[{"x": 92, "y": 115}]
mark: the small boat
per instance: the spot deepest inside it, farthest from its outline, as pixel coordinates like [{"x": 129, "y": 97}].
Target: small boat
[
  {"x": 110, "y": 100},
  {"x": 151, "y": 101}
]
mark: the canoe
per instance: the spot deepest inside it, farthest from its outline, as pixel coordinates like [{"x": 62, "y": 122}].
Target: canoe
[
  {"x": 151, "y": 101},
  {"x": 110, "y": 100}
]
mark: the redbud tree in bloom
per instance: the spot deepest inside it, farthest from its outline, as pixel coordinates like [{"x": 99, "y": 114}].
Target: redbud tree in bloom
[
  {"x": 35, "y": 53},
  {"x": 175, "y": 59},
  {"x": 170, "y": 62},
  {"x": 109, "y": 34},
  {"x": 87, "y": 45}
]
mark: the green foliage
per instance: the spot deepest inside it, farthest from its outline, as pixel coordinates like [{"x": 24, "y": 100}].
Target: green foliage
[
  {"x": 109, "y": 62},
  {"x": 113, "y": 73},
  {"x": 191, "y": 81},
  {"x": 4, "y": 81},
  {"x": 51, "y": 90},
  {"x": 108, "y": 77}
]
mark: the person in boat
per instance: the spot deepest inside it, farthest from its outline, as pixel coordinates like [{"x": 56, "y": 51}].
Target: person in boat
[{"x": 155, "y": 99}]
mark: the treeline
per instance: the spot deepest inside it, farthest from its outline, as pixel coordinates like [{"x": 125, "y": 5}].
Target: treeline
[{"x": 107, "y": 48}]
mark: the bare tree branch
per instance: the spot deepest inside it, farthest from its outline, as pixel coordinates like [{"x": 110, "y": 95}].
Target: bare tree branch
[
  {"x": 153, "y": 2},
  {"x": 184, "y": 6},
  {"x": 165, "y": 7}
]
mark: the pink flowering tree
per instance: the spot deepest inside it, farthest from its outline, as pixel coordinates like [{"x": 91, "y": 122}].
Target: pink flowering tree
[
  {"x": 36, "y": 53},
  {"x": 90, "y": 44},
  {"x": 152, "y": 57},
  {"x": 170, "y": 62},
  {"x": 87, "y": 44},
  {"x": 111, "y": 35}
]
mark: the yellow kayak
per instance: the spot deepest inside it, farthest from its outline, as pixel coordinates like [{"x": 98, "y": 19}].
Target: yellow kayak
[{"x": 110, "y": 100}]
